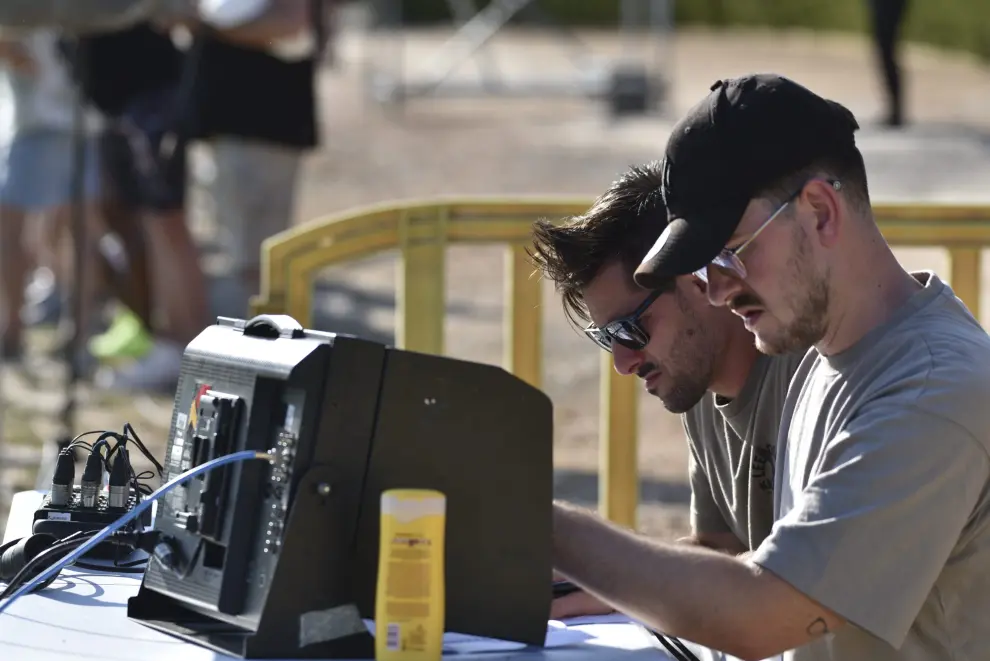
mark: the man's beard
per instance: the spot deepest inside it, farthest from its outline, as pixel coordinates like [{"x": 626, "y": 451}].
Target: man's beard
[
  {"x": 809, "y": 300},
  {"x": 691, "y": 365},
  {"x": 687, "y": 391}
]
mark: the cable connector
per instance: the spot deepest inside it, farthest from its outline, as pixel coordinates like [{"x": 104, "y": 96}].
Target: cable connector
[
  {"x": 141, "y": 540},
  {"x": 92, "y": 479},
  {"x": 164, "y": 553},
  {"x": 65, "y": 475},
  {"x": 48, "y": 574},
  {"x": 120, "y": 475}
]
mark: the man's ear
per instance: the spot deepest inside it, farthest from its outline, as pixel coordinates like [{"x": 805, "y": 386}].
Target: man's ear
[{"x": 823, "y": 198}]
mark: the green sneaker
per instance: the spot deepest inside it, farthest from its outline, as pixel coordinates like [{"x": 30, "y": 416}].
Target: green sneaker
[{"x": 126, "y": 338}]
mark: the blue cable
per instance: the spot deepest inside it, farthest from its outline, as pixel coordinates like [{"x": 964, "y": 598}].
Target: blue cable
[{"x": 127, "y": 518}]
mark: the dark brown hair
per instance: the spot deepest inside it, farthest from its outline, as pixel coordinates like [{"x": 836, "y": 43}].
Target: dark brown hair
[
  {"x": 847, "y": 167},
  {"x": 622, "y": 225}
]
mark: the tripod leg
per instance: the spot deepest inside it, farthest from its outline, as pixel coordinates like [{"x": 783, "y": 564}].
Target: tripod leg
[
  {"x": 67, "y": 417},
  {"x": 580, "y": 52},
  {"x": 471, "y": 38},
  {"x": 463, "y": 11},
  {"x": 79, "y": 244}
]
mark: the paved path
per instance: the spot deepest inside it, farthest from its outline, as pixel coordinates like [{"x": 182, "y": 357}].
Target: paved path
[{"x": 554, "y": 146}]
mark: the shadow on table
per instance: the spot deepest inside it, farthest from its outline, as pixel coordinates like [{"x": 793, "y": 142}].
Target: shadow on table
[{"x": 76, "y": 590}]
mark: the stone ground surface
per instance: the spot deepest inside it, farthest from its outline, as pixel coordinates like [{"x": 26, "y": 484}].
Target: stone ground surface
[{"x": 555, "y": 147}]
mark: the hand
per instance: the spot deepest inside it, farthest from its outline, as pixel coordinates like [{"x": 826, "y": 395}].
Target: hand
[
  {"x": 17, "y": 57},
  {"x": 578, "y": 604}
]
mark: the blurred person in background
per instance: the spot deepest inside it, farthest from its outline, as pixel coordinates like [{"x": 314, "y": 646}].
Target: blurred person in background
[
  {"x": 256, "y": 106},
  {"x": 159, "y": 99},
  {"x": 140, "y": 80},
  {"x": 36, "y": 175},
  {"x": 887, "y": 17}
]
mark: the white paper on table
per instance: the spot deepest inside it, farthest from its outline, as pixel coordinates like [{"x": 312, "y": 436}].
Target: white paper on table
[
  {"x": 558, "y": 635},
  {"x": 611, "y": 618},
  {"x": 618, "y": 618}
]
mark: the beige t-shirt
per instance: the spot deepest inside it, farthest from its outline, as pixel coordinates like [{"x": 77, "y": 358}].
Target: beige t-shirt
[
  {"x": 882, "y": 501},
  {"x": 733, "y": 449}
]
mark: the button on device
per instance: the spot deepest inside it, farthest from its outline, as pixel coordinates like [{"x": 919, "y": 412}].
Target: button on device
[{"x": 187, "y": 521}]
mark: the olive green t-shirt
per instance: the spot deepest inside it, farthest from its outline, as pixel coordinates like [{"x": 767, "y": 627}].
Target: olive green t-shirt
[{"x": 733, "y": 451}]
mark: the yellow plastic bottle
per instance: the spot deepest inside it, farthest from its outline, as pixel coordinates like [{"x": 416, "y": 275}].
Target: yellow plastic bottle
[{"x": 410, "y": 601}]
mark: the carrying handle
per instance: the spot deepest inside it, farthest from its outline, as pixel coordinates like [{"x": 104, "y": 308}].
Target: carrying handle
[{"x": 273, "y": 326}]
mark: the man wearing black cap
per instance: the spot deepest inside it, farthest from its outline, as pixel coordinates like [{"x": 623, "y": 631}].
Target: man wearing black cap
[{"x": 881, "y": 545}]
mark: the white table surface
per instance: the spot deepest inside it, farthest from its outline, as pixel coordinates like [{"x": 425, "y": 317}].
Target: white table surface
[{"x": 83, "y": 615}]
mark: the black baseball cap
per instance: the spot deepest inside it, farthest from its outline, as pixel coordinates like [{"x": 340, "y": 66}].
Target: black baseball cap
[{"x": 745, "y": 135}]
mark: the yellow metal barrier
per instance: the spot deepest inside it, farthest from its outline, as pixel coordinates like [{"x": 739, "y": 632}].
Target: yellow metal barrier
[{"x": 423, "y": 229}]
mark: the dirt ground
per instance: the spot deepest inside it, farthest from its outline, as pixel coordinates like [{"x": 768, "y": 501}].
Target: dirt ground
[{"x": 554, "y": 147}]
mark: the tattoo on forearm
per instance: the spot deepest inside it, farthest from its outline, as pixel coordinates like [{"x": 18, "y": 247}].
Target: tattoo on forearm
[{"x": 818, "y": 627}]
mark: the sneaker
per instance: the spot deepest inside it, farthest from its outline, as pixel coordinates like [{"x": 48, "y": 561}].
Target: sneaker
[
  {"x": 125, "y": 338},
  {"x": 156, "y": 371}
]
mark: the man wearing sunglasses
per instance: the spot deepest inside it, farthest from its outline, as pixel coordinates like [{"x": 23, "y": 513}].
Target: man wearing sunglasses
[
  {"x": 881, "y": 545},
  {"x": 697, "y": 359}
]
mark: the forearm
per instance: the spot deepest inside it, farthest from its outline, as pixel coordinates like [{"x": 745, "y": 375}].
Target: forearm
[
  {"x": 679, "y": 589},
  {"x": 714, "y": 599},
  {"x": 282, "y": 19}
]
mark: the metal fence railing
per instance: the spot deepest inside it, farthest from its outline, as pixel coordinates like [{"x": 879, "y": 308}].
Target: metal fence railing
[{"x": 423, "y": 229}]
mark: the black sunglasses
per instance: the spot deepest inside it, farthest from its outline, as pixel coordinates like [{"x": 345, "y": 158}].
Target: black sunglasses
[{"x": 627, "y": 330}]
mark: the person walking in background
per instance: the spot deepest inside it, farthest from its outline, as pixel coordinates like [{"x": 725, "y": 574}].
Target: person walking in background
[
  {"x": 887, "y": 17},
  {"x": 137, "y": 77},
  {"x": 38, "y": 175},
  {"x": 155, "y": 93},
  {"x": 254, "y": 50}
]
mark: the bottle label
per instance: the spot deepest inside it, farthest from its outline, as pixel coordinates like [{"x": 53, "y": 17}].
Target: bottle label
[
  {"x": 413, "y": 641},
  {"x": 408, "y": 590},
  {"x": 393, "y": 639}
]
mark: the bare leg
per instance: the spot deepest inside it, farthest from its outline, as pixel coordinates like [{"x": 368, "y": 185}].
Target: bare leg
[
  {"x": 93, "y": 283},
  {"x": 14, "y": 265},
  {"x": 180, "y": 286},
  {"x": 179, "y": 293},
  {"x": 133, "y": 288},
  {"x": 887, "y": 17}
]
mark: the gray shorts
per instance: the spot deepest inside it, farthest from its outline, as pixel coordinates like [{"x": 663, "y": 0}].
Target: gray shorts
[
  {"x": 36, "y": 170},
  {"x": 254, "y": 195}
]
